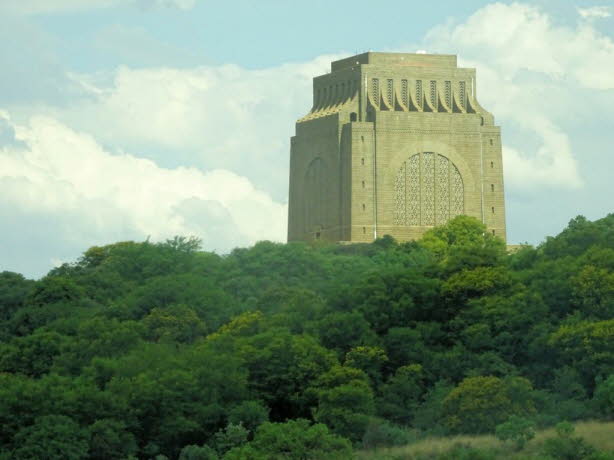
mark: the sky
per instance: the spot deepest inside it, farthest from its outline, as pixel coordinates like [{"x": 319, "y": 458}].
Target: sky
[{"x": 134, "y": 119}]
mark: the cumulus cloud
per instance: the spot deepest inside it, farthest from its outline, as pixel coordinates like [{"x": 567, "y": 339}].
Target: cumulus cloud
[
  {"x": 210, "y": 116},
  {"x": 182, "y": 4},
  {"x": 595, "y": 12},
  {"x": 528, "y": 79},
  {"x": 85, "y": 195},
  {"x": 27, "y": 7},
  {"x": 213, "y": 141}
]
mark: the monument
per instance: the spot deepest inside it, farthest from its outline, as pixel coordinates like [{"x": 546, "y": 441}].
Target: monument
[{"x": 395, "y": 144}]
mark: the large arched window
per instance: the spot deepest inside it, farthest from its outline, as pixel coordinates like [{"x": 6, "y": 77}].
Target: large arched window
[{"x": 428, "y": 191}]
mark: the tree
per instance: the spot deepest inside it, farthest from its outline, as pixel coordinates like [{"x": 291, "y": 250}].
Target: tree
[
  {"x": 369, "y": 359},
  {"x": 176, "y": 397},
  {"x": 406, "y": 345},
  {"x": 249, "y": 414},
  {"x": 604, "y": 397},
  {"x": 100, "y": 337},
  {"x": 177, "y": 323},
  {"x": 593, "y": 292},
  {"x": 464, "y": 243},
  {"x": 209, "y": 302},
  {"x": 51, "y": 437},
  {"x": 585, "y": 346},
  {"x": 282, "y": 367},
  {"x": 346, "y": 408},
  {"x": 430, "y": 414},
  {"x": 476, "y": 282},
  {"x": 55, "y": 289},
  {"x": 402, "y": 393},
  {"x": 579, "y": 236},
  {"x": 33, "y": 354},
  {"x": 14, "y": 290},
  {"x": 566, "y": 446},
  {"x": 110, "y": 439},
  {"x": 295, "y": 439},
  {"x": 503, "y": 323},
  {"x": 479, "y": 404},
  {"x": 342, "y": 331},
  {"x": 230, "y": 437},
  {"x": 517, "y": 430},
  {"x": 394, "y": 296},
  {"x": 194, "y": 452}
]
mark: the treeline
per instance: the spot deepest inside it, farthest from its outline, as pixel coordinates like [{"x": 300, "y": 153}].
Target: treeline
[{"x": 142, "y": 350}]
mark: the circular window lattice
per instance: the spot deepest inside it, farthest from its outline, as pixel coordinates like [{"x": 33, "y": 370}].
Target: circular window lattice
[{"x": 428, "y": 191}]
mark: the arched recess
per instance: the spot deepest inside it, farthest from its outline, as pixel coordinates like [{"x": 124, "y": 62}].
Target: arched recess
[
  {"x": 428, "y": 191},
  {"x": 315, "y": 194}
]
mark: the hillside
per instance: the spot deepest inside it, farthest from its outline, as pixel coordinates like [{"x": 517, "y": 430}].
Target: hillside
[
  {"x": 597, "y": 435},
  {"x": 141, "y": 350}
]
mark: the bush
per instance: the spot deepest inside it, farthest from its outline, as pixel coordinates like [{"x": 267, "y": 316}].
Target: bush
[
  {"x": 110, "y": 439},
  {"x": 479, "y": 404},
  {"x": 604, "y": 397},
  {"x": 250, "y": 414},
  {"x": 232, "y": 436},
  {"x": 381, "y": 433},
  {"x": 464, "y": 452},
  {"x": 567, "y": 447},
  {"x": 429, "y": 415},
  {"x": 293, "y": 439},
  {"x": 346, "y": 409},
  {"x": 601, "y": 456},
  {"x": 517, "y": 430},
  {"x": 51, "y": 437},
  {"x": 198, "y": 453}
]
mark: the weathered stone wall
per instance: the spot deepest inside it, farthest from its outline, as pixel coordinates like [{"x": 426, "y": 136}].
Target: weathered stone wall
[{"x": 394, "y": 144}]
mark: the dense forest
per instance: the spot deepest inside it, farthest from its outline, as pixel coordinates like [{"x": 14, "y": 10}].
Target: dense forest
[{"x": 300, "y": 351}]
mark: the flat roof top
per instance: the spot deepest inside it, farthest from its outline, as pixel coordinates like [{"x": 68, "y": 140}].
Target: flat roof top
[{"x": 397, "y": 59}]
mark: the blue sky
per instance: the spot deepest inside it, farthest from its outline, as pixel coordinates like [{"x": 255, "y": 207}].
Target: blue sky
[{"x": 123, "y": 119}]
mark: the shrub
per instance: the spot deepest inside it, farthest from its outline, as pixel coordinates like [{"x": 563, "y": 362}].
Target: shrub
[
  {"x": 381, "y": 433},
  {"x": 294, "y": 439},
  {"x": 232, "y": 436},
  {"x": 479, "y": 404},
  {"x": 51, "y": 437},
  {"x": 517, "y": 430},
  {"x": 346, "y": 409},
  {"x": 567, "y": 447},
  {"x": 464, "y": 452},
  {"x": 250, "y": 414},
  {"x": 193, "y": 452},
  {"x": 604, "y": 397}
]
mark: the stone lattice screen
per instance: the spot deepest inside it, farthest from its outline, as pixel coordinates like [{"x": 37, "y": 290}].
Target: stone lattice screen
[{"x": 428, "y": 191}]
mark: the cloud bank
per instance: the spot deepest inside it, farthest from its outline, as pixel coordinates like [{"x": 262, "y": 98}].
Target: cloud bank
[
  {"x": 209, "y": 116},
  {"x": 95, "y": 197},
  {"x": 533, "y": 75},
  {"x": 127, "y": 153},
  {"x": 28, "y": 7},
  {"x": 595, "y": 12}
]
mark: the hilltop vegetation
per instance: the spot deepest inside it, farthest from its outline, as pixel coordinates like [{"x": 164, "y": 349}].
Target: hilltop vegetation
[
  {"x": 584, "y": 441},
  {"x": 142, "y": 350}
]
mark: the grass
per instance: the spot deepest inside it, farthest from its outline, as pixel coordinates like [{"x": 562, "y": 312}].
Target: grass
[{"x": 599, "y": 434}]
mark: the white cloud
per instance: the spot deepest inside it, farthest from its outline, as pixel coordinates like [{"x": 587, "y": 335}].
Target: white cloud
[
  {"x": 595, "y": 12},
  {"x": 68, "y": 190},
  {"x": 27, "y": 7},
  {"x": 182, "y": 4},
  {"x": 535, "y": 75},
  {"x": 94, "y": 196},
  {"x": 71, "y": 190},
  {"x": 213, "y": 117}
]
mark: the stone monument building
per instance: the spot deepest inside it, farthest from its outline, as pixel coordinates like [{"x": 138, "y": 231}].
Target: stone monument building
[{"x": 395, "y": 144}]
